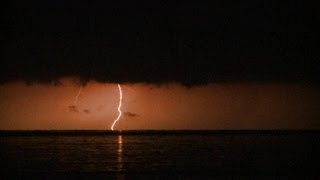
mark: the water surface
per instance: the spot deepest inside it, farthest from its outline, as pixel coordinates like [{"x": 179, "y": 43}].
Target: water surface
[{"x": 162, "y": 153}]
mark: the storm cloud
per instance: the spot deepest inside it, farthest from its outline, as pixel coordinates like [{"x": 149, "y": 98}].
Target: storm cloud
[
  {"x": 190, "y": 43},
  {"x": 130, "y": 114},
  {"x": 73, "y": 108},
  {"x": 87, "y": 111}
]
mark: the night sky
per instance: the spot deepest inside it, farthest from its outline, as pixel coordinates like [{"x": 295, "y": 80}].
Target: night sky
[
  {"x": 182, "y": 65},
  {"x": 193, "y": 42}
]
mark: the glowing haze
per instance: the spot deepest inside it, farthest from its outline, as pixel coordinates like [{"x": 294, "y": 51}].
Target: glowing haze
[{"x": 169, "y": 106}]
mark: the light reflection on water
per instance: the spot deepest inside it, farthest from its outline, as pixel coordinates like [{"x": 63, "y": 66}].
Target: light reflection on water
[
  {"x": 119, "y": 154},
  {"x": 137, "y": 154}
]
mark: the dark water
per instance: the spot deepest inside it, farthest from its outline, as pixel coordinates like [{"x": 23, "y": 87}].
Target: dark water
[{"x": 185, "y": 155}]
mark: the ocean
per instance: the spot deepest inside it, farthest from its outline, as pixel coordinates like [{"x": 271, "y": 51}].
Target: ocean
[{"x": 160, "y": 154}]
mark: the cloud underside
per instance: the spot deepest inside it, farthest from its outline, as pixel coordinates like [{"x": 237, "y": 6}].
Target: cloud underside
[
  {"x": 152, "y": 43},
  {"x": 186, "y": 78}
]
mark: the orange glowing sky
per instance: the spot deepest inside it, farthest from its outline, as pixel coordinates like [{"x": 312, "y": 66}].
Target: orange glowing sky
[{"x": 169, "y": 106}]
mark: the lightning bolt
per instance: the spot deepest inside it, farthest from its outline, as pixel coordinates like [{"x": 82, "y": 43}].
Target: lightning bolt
[
  {"x": 79, "y": 92},
  {"x": 119, "y": 107}
]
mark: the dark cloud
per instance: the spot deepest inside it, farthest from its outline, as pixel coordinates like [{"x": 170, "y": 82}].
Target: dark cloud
[
  {"x": 130, "y": 114},
  {"x": 73, "y": 108},
  {"x": 87, "y": 111},
  {"x": 193, "y": 42}
]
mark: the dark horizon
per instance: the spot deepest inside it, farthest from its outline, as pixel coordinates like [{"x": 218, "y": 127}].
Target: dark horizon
[{"x": 154, "y": 132}]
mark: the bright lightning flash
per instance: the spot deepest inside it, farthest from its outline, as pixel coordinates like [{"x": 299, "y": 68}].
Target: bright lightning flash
[{"x": 119, "y": 107}]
